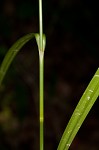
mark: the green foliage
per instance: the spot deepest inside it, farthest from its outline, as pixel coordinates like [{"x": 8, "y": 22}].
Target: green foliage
[
  {"x": 12, "y": 52},
  {"x": 85, "y": 104}
]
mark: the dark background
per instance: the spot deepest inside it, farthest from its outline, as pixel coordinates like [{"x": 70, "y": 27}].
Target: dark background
[{"x": 71, "y": 59}]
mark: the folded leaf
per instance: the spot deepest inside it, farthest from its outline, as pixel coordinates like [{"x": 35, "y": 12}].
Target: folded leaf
[{"x": 12, "y": 52}]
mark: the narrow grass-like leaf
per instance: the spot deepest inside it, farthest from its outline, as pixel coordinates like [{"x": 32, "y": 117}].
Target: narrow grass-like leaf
[
  {"x": 12, "y": 52},
  {"x": 85, "y": 104}
]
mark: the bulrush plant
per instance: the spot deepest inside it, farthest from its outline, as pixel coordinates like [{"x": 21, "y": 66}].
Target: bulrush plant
[{"x": 84, "y": 105}]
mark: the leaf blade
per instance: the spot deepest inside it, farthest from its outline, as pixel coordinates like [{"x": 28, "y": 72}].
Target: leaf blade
[
  {"x": 12, "y": 52},
  {"x": 82, "y": 109}
]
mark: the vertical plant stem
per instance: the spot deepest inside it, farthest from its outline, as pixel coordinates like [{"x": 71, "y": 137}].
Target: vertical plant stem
[
  {"x": 41, "y": 57},
  {"x": 41, "y": 65},
  {"x": 41, "y": 25}
]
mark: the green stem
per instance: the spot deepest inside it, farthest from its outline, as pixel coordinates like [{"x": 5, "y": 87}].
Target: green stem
[
  {"x": 41, "y": 65},
  {"x": 41, "y": 25},
  {"x": 41, "y": 46}
]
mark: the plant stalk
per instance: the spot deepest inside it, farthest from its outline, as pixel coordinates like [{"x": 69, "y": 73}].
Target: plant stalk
[
  {"x": 41, "y": 25},
  {"x": 41, "y": 45},
  {"x": 41, "y": 107}
]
